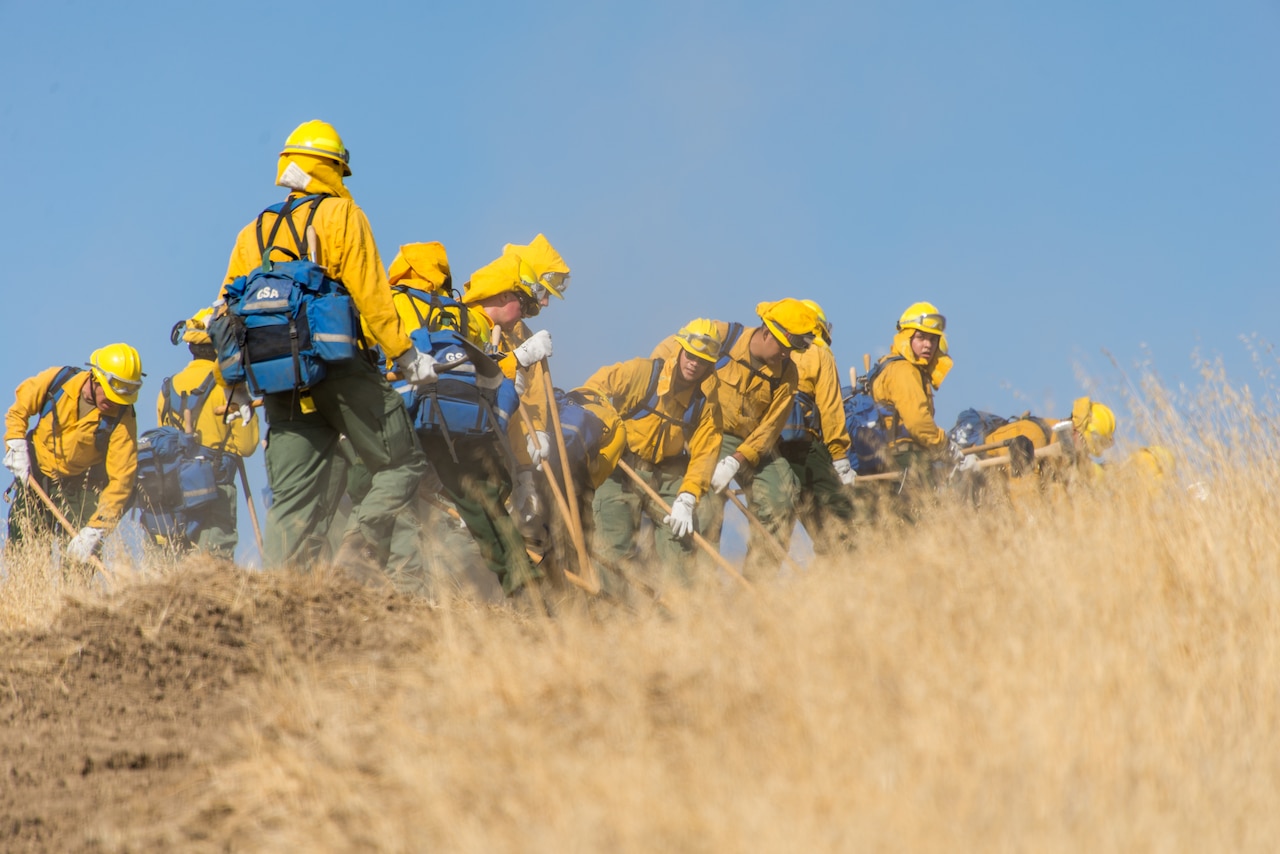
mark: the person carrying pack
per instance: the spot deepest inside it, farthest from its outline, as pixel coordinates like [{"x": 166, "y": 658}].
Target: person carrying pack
[
  {"x": 347, "y": 396},
  {"x": 670, "y": 416},
  {"x": 190, "y": 401},
  {"x": 902, "y": 387},
  {"x": 82, "y": 450},
  {"x": 1087, "y": 433},
  {"x": 815, "y": 443},
  {"x": 757, "y": 383}
]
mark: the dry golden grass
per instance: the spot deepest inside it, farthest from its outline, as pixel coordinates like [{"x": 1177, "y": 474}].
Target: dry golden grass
[{"x": 1092, "y": 672}]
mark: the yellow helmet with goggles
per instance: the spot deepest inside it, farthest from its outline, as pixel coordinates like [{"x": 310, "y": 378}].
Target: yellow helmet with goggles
[
  {"x": 923, "y": 317},
  {"x": 792, "y": 322},
  {"x": 117, "y": 368},
  {"x": 701, "y": 338}
]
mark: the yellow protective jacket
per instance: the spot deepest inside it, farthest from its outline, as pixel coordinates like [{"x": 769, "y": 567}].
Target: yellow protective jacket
[
  {"x": 661, "y": 435},
  {"x": 65, "y": 440},
  {"x": 819, "y": 378},
  {"x": 907, "y": 385},
  {"x": 754, "y": 400},
  {"x": 347, "y": 249},
  {"x": 235, "y": 438}
]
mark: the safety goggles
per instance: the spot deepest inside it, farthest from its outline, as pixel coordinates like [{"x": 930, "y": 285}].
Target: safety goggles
[
  {"x": 121, "y": 386},
  {"x": 931, "y": 322},
  {"x": 799, "y": 343},
  {"x": 701, "y": 345},
  {"x": 555, "y": 283}
]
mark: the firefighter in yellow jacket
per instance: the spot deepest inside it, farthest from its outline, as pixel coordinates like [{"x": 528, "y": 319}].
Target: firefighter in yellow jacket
[
  {"x": 757, "y": 381},
  {"x": 354, "y": 398},
  {"x": 83, "y": 449},
  {"x": 195, "y": 390},
  {"x": 670, "y": 412},
  {"x": 1087, "y": 433},
  {"x": 905, "y": 381},
  {"x": 815, "y": 441}
]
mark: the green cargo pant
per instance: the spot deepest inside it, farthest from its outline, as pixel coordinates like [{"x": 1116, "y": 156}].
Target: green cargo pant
[
  {"x": 77, "y": 498},
  {"x": 477, "y": 484},
  {"x": 353, "y": 400},
  {"x": 771, "y": 490},
  {"x": 218, "y": 524},
  {"x": 824, "y": 505},
  {"x": 619, "y": 508}
]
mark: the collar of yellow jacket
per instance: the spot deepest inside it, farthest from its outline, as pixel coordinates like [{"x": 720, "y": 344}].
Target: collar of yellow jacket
[
  {"x": 421, "y": 265},
  {"x": 941, "y": 363},
  {"x": 308, "y": 174}
]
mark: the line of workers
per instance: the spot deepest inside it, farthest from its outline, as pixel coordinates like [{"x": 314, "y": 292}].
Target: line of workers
[{"x": 716, "y": 402}]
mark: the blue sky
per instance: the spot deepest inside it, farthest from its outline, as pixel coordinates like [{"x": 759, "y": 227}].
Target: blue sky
[{"x": 1059, "y": 179}]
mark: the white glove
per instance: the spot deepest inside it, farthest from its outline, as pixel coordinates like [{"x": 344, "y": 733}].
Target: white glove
[
  {"x": 17, "y": 459},
  {"x": 537, "y": 348},
  {"x": 416, "y": 367},
  {"x": 955, "y": 452},
  {"x": 539, "y": 447},
  {"x": 680, "y": 519},
  {"x": 524, "y": 498},
  {"x": 844, "y": 471},
  {"x": 520, "y": 384},
  {"x": 84, "y": 544},
  {"x": 725, "y": 470},
  {"x": 239, "y": 405},
  {"x": 968, "y": 463}
]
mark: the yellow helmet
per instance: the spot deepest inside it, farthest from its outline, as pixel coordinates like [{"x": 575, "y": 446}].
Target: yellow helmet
[
  {"x": 193, "y": 330},
  {"x": 508, "y": 273},
  {"x": 923, "y": 317},
  {"x": 701, "y": 338},
  {"x": 792, "y": 322},
  {"x": 118, "y": 369},
  {"x": 551, "y": 270},
  {"x": 1095, "y": 422},
  {"x": 824, "y": 325},
  {"x": 318, "y": 139}
]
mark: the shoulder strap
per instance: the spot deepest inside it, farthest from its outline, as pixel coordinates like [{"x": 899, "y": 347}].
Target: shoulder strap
[
  {"x": 284, "y": 215},
  {"x": 870, "y": 377},
  {"x": 54, "y": 391},
  {"x": 732, "y": 334},
  {"x": 650, "y": 404}
]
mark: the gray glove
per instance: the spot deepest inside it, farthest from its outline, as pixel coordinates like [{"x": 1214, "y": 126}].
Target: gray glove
[
  {"x": 537, "y": 348},
  {"x": 680, "y": 519},
  {"x": 416, "y": 367},
  {"x": 17, "y": 459},
  {"x": 84, "y": 544}
]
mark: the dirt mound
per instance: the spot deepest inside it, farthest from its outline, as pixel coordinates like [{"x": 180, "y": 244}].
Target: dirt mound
[{"x": 106, "y": 715}]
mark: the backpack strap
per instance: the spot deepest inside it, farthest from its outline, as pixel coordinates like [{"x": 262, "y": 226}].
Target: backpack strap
[
  {"x": 284, "y": 215},
  {"x": 692, "y": 413},
  {"x": 731, "y": 337}
]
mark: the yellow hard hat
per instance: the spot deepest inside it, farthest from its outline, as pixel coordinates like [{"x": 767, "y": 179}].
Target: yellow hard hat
[
  {"x": 923, "y": 317},
  {"x": 318, "y": 139},
  {"x": 1095, "y": 422},
  {"x": 824, "y": 325},
  {"x": 700, "y": 337},
  {"x": 792, "y": 322},
  {"x": 425, "y": 263},
  {"x": 551, "y": 270},
  {"x": 507, "y": 273},
  {"x": 118, "y": 369},
  {"x": 193, "y": 330}
]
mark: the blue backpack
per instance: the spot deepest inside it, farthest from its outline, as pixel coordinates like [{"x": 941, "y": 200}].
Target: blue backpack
[
  {"x": 865, "y": 419},
  {"x": 285, "y": 320},
  {"x": 470, "y": 397},
  {"x": 176, "y": 404},
  {"x": 804, "y": 422},
  {"x": 175, "y": 481},
  {"x": 973, "y": 426}
]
